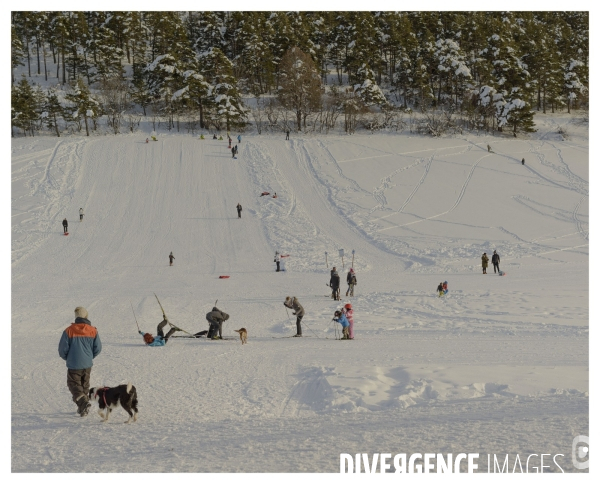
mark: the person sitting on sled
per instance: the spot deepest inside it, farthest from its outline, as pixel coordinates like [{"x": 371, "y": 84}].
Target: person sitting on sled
[{"x": 341, "y": 318}]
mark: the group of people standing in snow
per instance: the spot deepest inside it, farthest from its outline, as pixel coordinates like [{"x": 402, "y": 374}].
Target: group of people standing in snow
[{"x": 495, "y": 262}]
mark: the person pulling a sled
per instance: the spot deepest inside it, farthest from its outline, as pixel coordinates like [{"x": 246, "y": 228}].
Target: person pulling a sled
[
  {"x": 484, "y": 262},
  {"x": 351, "y": 280},
  {"x": 216, "y": 318},
  {"x": 298, "y": 311},
  {"x": 340, "y": 318},
  {"x": 65, "y": 226},
  {"x": 171, "y": 258},
  {"x": 334, "y": 283},
  {"x": 496, "y": 261},
  {"x": 277, "y": 261}
]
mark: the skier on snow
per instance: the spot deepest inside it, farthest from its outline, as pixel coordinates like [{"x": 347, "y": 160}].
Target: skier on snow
[
  {"x": 160, "y": 339},
  {"x": 239, "y": 210},
  {"x": 340, "y": 318},
  {"x": 80, "y": 214},
  {"x": 277, "y": 261},
  {"x": 79, "y": 345},
  {"x": 171, "y": 258},
  {"x": 216, "y": 318},
  {"x": 496, "y": 261},
  {"x": 484, "y": 262},
  {"x": 351, "y": 280},
  {"x": 334, "y": 283},
  {"x": 349, "y": 313},
  {"x": 65, "y": 226},
  {"x": 298, "y": 311}
]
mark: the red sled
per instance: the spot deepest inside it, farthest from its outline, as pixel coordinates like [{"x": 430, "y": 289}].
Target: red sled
[
  {"x": 223, "y": 277},
  {"x": 66, "y": 233},
  {"x": 286, "y": 255}
]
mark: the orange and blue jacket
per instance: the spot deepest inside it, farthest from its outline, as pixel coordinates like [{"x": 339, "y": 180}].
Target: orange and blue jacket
[{"x": 79, "y": 345}]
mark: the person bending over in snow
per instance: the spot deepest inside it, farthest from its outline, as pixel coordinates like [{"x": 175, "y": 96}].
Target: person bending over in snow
[
  {"x": 440, "y": 289},
  {"x": 445, "y": 287},
  {"x": 349, "y": 313},
  {"x": 65, "y": 226},
  {"x": 340, "y": 318},
  {"x": 216, "y": 318},
  {"x": 484, "y": 262},
  {"x": 293, "y": 303},
  {"x": 171, "y": 258}
]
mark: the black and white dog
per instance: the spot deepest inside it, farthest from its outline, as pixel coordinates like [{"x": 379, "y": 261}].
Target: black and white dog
[{"x": 110, "y": 398}]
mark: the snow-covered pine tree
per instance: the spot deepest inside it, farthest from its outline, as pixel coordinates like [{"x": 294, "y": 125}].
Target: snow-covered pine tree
[
  {"x": 25, "y": 106},
  {"x": 83, "y": 104}
]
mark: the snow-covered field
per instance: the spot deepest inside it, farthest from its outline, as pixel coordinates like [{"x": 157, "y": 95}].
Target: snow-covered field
[{"x": 499, "y": 366}]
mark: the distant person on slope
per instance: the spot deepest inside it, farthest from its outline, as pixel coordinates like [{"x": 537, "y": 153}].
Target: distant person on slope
[
  {"x": 233, "y": 152},
  {"x": 349, "y": 313},
  {"x": 334, "y": 283},
  {"x": 80, "y": 214},
  {"x": 239, "y": 138},
  {"x": 340, "y": 318},
  {"x": 440, "y": 289},
  {"x": 484, "y": 262},
  {"x": 496, "y": 261},
  {"x": 351, "y": 280},
  {"x": 293, "y": 303},
  {"x": 79, "y": 345},
  {"x": 216, "y": 318},
  {"x": 171, "y": 258},
  {"x": 239, "y": 210},
  {"x": 287, "y": 134},
  {"x": 65, "y": 226},
  {"x": 523, "y": 161},
  {"x": 445, "y": 287},
  {"x": 215, "y": 136},
  {"x": 277, "y": 261}
]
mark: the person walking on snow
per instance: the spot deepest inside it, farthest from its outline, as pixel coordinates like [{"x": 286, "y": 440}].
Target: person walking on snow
[
  {"x": 484, "y": 262},
  {"x": 489, "y": 148},
  {"x": 65, "y": 226},
  {"x": 239, "y": 138},
  {"x": 349, "y": 313},
  {"x": 287, "y": 134},
  {"x": 351, "y": 280},
  {"x": 523, "y": 161},
  {"x": 334, "y": 283},
  {"x": 298, "y": 311},
  {"x": 233, "y": 152},
  {"x": 277, "y": 261},
  {"x": 340, "y": 318},
  {"x": 440, "y": 289},
  {"x": 236, "y": 149},
  {"x": 445, "y": 287},
  {"x": 216, "y": 318},
  {"x": 79, "y": 345},
  {"x": 496, "y": 261},
  {"x": 171, "y": 258},
  {"x": 80, "y": 214},
  {"x": 239, "y": 210}
]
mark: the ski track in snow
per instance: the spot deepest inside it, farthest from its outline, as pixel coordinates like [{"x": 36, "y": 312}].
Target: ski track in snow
[{"x": 499, "y": 365}]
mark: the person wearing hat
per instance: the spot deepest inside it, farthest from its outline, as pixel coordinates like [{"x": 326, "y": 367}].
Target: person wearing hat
[
  {"x": 440, "y": 289},
  {"x": 496, "y": 261},
  {"x": 334, "y": 283},
  {"x": 484, "y": 262},
  {"x": 351, "y": 280},
  {"x": 340, "y": 318},
  {"x": 65, "y": 226},
  {"x": 298, "y": 311},
  {"x": 216, "y": 318},
  {"x": 349, "y": 313},
  {"x": 171, "y": 258},
  {"x": 79, "y": 345}
]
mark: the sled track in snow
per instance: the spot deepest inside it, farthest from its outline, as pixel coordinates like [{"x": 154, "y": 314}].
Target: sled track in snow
[{"x": 580, "y": 229}]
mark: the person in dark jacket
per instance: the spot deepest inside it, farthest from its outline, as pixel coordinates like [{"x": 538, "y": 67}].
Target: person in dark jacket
[
  {"x": 440, "y": 289},
  {"x": 233, "y": 152},
  {"x": 65, "y": 226},
  {"x": 239, "y": 210},
  {"x": 293, "y": 303},
  {"x": 79, "y": 345},
  {"x": 216, "y": 318},
  {"x": 351, "y": 280},
  {"x": 484, "y": 262},
  {"x": 496, "y": 261},
  {"x": 334, "y": 283},
  {"x": 523, "y": 161},
  {"x": 171, "y": 258},
  {"x": 287, "y": 134}
]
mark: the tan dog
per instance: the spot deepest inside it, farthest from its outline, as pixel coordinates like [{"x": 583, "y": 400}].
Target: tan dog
[{"x": 243, "y": 334}]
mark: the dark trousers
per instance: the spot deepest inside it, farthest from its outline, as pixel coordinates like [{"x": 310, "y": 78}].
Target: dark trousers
[
  {"x": 239, "y": 214},
  {"x": 277, "y": 262},
  {"x": 78, "y": 382},
  {"x": 496, "y": 266},
  {"x": 335, "y": 293},
  {"x": 65, "y": 229},
  {"x": 159, "y": 330},
  {"x": 80, "y": 217},
  {"x": 299, "y": 325},
  {"x": 287, "y": 135},
  {"x": 215, "y": 327}
]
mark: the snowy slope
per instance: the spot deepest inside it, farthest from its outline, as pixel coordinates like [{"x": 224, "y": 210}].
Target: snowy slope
[{"x": 499, "y": 366}]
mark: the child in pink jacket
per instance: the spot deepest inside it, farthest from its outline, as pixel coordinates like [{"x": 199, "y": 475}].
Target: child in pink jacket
[{"x": 350, "y": 317}]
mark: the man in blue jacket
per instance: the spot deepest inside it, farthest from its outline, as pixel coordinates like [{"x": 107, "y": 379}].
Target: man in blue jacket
[{"x": 78, "y": 346}]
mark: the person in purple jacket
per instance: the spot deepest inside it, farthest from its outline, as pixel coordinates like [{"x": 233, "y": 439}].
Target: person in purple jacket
[{"x": 79, "y": 345}]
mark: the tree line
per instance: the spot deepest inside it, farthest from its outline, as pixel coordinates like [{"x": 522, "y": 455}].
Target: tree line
[{"x": 308, "y": 70}]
